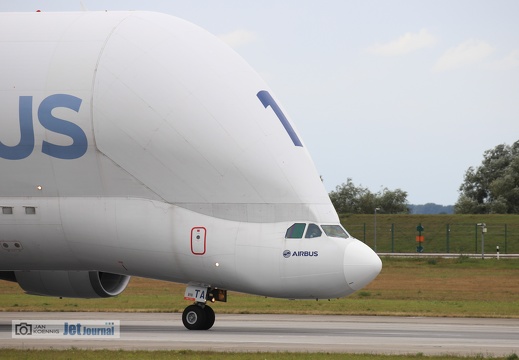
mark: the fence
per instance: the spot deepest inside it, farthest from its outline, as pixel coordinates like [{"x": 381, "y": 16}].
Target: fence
[{"x": 459, "y": 238}]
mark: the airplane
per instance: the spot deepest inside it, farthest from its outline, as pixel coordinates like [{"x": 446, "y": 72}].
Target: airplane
[{"x": 138, "y": 144}]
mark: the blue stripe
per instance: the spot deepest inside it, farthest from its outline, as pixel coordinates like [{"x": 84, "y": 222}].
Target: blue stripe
[{"x": 267, "y": 100}]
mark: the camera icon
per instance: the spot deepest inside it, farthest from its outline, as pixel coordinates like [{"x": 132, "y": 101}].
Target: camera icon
[{"x": 23, "y": 329}]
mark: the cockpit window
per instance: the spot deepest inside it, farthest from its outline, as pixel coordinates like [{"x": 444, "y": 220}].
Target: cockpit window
[
  {"x": 313, "y": 231},
  {"x": 296, "y": 231},
  {"x": 335, "y": 231}
]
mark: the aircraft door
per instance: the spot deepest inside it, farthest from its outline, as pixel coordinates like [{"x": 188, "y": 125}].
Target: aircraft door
[{"x": 198, "y": 240}]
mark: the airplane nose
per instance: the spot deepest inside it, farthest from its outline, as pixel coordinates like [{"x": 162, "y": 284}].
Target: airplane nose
[{"x": 361, "y": 265}]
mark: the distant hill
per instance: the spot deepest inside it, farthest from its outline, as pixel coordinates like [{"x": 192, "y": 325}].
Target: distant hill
[{"x": 431, "y": 208}]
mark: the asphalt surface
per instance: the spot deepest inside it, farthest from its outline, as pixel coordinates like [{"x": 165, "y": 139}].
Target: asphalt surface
[{"x": 298, "y": 333}]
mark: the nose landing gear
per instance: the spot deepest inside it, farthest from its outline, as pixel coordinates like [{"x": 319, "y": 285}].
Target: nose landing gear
[{"x": 200, "y": 316}]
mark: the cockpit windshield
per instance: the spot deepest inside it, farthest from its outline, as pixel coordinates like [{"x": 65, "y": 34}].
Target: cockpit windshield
[
  {"x": 313, "y": 231},
  {"x": 335, "y": 231},
  {"x": 297, "y": 230}
]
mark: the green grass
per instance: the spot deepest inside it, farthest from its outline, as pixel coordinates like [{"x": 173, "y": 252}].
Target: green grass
[
  {"x": 460, "y": 287},
  {"x": 456, "y": 234},
  {"x": 211, "y": 355}
]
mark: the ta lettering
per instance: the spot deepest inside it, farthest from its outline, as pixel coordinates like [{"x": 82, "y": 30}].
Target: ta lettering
[{"x": 199, "y": 294}]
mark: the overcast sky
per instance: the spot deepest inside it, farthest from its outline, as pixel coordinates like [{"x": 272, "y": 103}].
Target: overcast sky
[{"x": 396, "y": 94}]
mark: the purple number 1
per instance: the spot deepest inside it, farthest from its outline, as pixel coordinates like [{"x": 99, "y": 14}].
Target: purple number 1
[{"x": 267, "y": 100}]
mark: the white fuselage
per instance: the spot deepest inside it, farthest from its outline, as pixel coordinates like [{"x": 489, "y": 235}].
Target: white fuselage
[{"x": 136, "y": 143}]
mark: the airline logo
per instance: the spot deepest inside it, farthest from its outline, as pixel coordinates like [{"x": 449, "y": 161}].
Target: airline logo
[
  {"x": 304, "y": 253},
  {"x": 26, "y": 145}
]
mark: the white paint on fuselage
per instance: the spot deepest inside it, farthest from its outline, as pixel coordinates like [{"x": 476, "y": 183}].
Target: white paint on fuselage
[
  {"x": 147, "y": 238},
  {"x": 176, "y": 139}
]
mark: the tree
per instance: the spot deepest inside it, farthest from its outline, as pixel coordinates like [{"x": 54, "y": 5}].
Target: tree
[
  {"x": 493, "y": 187},
  {"x": 392, "y": 202},
  {"x": 348, "y": 198},
  {"x": 431, "y": 208}
]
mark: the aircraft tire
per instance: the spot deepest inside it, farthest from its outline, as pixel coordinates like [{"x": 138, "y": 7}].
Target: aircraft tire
[
  {"x": 209, "y": 317},
  {"x": 194, "y": 318}
]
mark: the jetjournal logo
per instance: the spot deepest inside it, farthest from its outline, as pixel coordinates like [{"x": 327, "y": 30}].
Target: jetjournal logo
[{"x": 76, "y": 329}]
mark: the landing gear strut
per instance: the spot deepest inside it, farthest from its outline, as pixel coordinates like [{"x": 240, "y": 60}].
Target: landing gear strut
[{"x": 200, "y": 316}]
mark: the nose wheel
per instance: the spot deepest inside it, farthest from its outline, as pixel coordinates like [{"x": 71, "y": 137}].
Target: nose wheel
[{"x": 198, "y": 317}]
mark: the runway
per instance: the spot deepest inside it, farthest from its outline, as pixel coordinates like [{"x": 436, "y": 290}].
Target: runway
[{"x": 300, "y": 333}]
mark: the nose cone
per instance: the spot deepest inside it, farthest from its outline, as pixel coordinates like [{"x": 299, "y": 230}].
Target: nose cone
[{"x": 361, "y": 265}]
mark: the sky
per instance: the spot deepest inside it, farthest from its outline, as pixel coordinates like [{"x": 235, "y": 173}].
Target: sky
[{"x": 392, "y": 94}]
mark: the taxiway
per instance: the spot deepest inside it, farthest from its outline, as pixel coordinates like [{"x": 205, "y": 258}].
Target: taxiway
[{"x": 299, "y": 333}]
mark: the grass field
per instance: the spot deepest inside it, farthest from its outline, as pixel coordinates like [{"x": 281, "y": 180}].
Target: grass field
[
  {"x": 456, "y": 234},
  {"x": 460, "y": 287}
]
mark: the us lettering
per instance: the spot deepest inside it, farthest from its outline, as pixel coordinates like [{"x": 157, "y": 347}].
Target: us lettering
[{"x": 26, "y": 145}]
